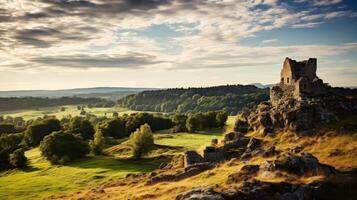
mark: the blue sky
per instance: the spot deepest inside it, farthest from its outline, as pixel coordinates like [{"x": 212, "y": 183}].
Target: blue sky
[{"x": 162, "y": 43}]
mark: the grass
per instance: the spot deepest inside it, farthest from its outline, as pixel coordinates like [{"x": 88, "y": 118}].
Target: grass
[
  {"x": 41, "y": 179},
  {"x": 70, "y": 110},
  {"x": 189, "y": 141}
]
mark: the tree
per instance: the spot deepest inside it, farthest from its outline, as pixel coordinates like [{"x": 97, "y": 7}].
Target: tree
[
  {"x": 63, "y": 109},
  {"x": 179, "y": 121},
  {"x": 115, "y": 114},
  {"x": 221, "y": 118},
  {"x": 142, "y": 141},
  {"x": 192, "y": 123},
  {"x": 36, "y": 132},
  {"x": 7, "y": 128},
  {"x": 97, "y": 144},
  {"x": 8, "y": 144},
  {"x": 113, "y": 128},
  {"x": 82, "y": 127},
  {"x": 83, "y": 112},
  {"x": 18, "y": 158},
  {"x": 62, "y": 147}
]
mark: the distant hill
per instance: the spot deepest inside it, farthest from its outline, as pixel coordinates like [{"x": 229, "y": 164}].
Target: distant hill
[
  {"x": 260, "y": 85},
  {"x": 112, "y": 93},
  {"x": 231, "y": 98}
]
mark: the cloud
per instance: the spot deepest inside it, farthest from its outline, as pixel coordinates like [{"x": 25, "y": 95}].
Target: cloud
[
  {"x": 89, "y": 33},
  {"x": 320, "y": 2},
  {"x": 132, "y": 61},
  {"x": 269, "y": 41}
]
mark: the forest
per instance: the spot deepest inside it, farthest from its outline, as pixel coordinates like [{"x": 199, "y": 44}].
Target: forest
[
  {"x": 16, "y": 103},
  {"x": 230, "y": 98}
]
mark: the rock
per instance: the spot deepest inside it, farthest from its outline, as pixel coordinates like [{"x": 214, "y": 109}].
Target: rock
[
  {"x": 253, "y": 144},
  {"x": 201, "y": 193},
  {"x": 192, "y": 157},
  {"x": 296, "y": 149},
  {"x": 241, "y": 126},
  {"x": 270, "y": 152},
  {"x": 162, "y": 165},
  {"x": 233, "y": 194},
  {"x": 213, "y": 154},
  {"x": 250, "y": 169},
  {"x": 214, "y": 142},
  {"x": 306, "y": 164}
]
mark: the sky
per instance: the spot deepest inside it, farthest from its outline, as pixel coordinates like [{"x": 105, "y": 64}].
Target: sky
[{"x": 58, "y": 44}]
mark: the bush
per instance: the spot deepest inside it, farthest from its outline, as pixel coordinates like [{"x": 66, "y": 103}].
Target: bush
[
  {"x": 8, "y": 144},
  {"x": 113, "y": 128},
  {"x": 36, "y": 132},
  {"x": 81, "y": 127},
  {"x": 192, "y": 123},
  {"x": 221, "y": 118},
  {"x": 18, "y": 158},
  {"x": 62, "y": 147},
  {"x": 142, "y": 141},
  {"x": 97, "y": 144},
  {"x": 7, "y": 128}
]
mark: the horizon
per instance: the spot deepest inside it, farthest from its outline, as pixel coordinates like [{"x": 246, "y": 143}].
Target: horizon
[{"x": 172, "y": 44}]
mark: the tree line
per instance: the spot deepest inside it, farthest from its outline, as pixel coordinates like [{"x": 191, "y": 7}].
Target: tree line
[
  {"x": 16, "y": 103},
  {"x": 230, "y": 98}
]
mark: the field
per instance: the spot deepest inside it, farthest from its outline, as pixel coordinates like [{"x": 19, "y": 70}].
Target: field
[
  {"x": 69, "y": 110},
  {"x": 41, "y": 179}
]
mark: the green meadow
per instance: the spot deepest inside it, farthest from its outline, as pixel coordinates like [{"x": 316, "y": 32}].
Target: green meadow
[
  {"x": 41, "y": 179},
  {"x": 69, "y": 110}
]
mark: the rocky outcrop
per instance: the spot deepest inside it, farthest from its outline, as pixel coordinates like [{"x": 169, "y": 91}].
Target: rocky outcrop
[
  {"x": 201, "y": 193},
  {"x": 305, "y": 164},
  {"x": 299, "y": 116}
]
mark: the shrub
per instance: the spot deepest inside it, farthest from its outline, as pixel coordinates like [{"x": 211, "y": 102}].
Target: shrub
[
  {"x": 8, "y": 144},
  {"x": 36, "y": 132},
  {"x": 81, "y": 127},
  {"x": 142, "y": 141},
  {"x": 18, "y": 158},
  {"x": 221, "y": 118},
  {"x": 62, "y": 147},
  {"x": 97, "y": 144},
  {"x": 113, "y": 128},
  {"x": 7, "y": 128},
  {"x": 192, "y": 123}
]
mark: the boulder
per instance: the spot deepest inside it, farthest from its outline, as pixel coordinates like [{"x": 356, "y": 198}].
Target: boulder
[
  {"x": 201, "y": 193},
  {"x": 253, "y": 144},
  {"x": 270, "y": 152},
  {"x": 192, "y": 157},
  {"x": 213, "y": 154},
  {"x": 305, "y": 164},
  {"x": 241, "y": 126}
]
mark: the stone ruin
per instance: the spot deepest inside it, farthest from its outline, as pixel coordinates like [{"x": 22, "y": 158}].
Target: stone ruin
[
  {"x": 300, "y": 102},
  {"x": 298, "y": 80}
]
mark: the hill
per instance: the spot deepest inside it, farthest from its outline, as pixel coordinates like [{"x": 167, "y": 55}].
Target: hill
[
  {"x": 231, "y": 98},
  {"x": 111, "y": 93}
]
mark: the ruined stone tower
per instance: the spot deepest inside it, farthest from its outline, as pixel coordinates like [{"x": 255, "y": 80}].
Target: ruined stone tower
[{"x": 298, "y": 80}]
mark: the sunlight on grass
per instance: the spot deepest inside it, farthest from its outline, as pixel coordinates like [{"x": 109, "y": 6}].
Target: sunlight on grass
[
  {"x": 41, "y": 179},
  {"x": 70, "y": 110}
]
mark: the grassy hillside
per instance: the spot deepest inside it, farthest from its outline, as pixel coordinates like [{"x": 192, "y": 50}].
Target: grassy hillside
[
  {"x": 41, "y": 179},
  {"x": 334, "y": 148}
]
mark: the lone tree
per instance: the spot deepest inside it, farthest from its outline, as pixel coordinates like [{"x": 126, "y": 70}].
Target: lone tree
[
  {"x": 142, "y": 141},
  {"x": 97, "y": 144}
]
